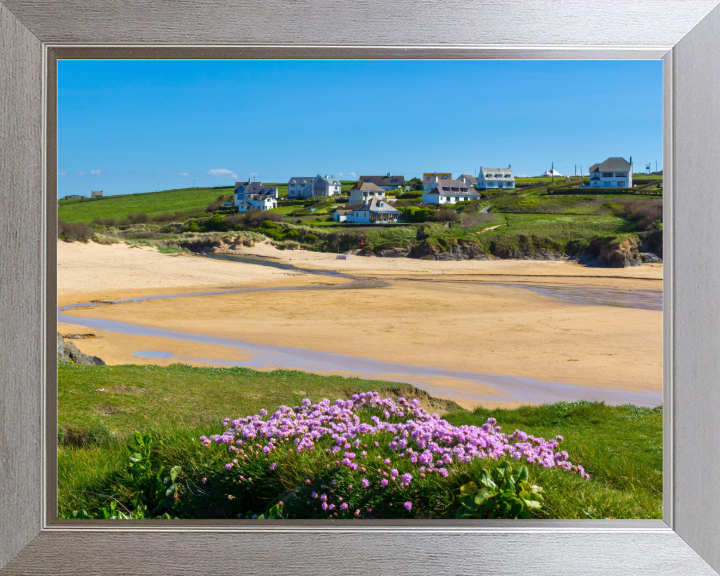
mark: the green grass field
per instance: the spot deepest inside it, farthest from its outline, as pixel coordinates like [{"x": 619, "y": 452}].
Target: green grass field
[
  {"x": 181, "y": 200},
  {"x": 98, "y": 406}
]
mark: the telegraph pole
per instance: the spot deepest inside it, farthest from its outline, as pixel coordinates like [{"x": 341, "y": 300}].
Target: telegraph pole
[
  {"x": 552, "y": 172},
  {"x": 156, "y": 194}
]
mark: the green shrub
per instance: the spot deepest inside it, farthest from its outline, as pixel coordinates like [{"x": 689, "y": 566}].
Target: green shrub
[
  {"x": 192, "y": 227},
  {"x": 215, "y": 224},
  {"x": 311, "y": 238},
  {"x": 416, "y": 214},
  {"x": 503, "y": 495}
]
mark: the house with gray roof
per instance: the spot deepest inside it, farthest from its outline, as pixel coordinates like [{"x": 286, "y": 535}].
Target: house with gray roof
[
  {"x": 450, "y": 192},
  {"x": 388, "y": 182},
  {"x": 326, "y": 186},
  {"x": 374, "y": 211},
  {"x": 495, "y": 179},
  {"x": 254, "y": 195},
  {"x": 300, "y": 186},
  {"x": 363, "y": 191},
  {"x": 615, "y": 172},
  {"x": 468, "y": 179}
]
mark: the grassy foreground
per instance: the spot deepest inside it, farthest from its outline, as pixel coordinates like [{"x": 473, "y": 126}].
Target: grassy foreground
[{"x": 172, "y": 407}]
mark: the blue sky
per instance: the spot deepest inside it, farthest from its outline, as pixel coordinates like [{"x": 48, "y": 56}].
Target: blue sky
[{"x": 134, "y": 126}]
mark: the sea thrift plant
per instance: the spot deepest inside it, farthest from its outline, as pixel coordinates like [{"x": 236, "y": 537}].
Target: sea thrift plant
[{"x": 424, "y": 445}]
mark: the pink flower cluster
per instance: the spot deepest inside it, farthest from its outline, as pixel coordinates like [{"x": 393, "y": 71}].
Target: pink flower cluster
[{"x": 427, "y": 441}]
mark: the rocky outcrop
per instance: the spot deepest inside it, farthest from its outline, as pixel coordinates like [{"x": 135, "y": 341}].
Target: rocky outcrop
[
  {"x": 393, "y": 253},
  {"x": 616, "y": 252},
  {"x": 68, "y": 352},
  {"x": 456, "y": 250}
]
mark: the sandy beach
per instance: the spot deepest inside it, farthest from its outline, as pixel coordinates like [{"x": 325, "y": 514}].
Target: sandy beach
[{"x": 461, "y": 317}]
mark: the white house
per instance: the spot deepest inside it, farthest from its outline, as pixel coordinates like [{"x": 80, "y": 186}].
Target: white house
[
  {"x": 615, "y": 172},
  {"x": 72, "y": 197},
  {"x": 245, "y": 189},
  {"x": 495, "y": 178},
  {"x": 450, "y": 192},
  {"x": 259, "y": 202},
  {"x": 363, "y": 191},
  {"x": 430, "y": 179},
  {"x": 300, "y": 186},
  {"x": 342, "y": 215},
  {"x": 326, "y": 186},
  {"x": 469, "y": 180},
  {"x": 374, "y": 211},
  {"x": 388, "y": 182}
]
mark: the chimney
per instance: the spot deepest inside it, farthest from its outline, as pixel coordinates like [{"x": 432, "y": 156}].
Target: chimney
[{"x": 389, "y": 174}]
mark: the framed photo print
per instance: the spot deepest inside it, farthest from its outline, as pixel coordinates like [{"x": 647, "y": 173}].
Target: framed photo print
[{"x": 341, "y": 288}]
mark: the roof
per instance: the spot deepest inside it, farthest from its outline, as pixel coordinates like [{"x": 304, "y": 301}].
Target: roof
[
  {"x": 447, "y": 186},
  {"x": 367, "y": 187},
  {"x": 387, "y": 180},
  {"x": 612, "y": 164},
  {"x": 469, "y": 178},
  {"x": 306, "y": 180},
  {"x": 494, "y": 171},
  {"x": 375, "y": 205},
  {"x": 255, "y": 187},
  {"x": 329, "y": 179}
]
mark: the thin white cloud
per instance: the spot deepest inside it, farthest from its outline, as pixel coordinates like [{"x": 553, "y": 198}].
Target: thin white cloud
[
  {"x": 253, "y": 174},
  {"x": 96, "y": 172},
  {"x": 352, "y": 174},
  {"x": 183, "y": 174},
  {"x": 222, "y": 172},
  {"x": 62, "y": 173}
]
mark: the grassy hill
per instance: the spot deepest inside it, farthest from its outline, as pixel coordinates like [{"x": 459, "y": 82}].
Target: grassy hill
[
  {"x": 179, "y": 200},
  {"x": 151, "y": 203}
]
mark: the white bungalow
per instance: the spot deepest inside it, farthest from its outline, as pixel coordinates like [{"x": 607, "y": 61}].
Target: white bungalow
[
  {"x": 364, "y": 191},
  {"x": 615, "y": 172},
  {"x": 495, "y": 178},
  {"x": 450, "y": 192},
  {"x": 342, "y": 215},
  {"x": 375, "y": 211},
  {"x": 259, "y": 202}
]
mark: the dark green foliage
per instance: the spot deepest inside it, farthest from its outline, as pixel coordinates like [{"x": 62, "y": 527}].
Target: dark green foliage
[
  {"x": 416, "y": 214},
  {"x": 503, "y": 493}
]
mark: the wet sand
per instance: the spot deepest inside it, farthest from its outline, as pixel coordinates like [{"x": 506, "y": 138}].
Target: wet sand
[{"x": 459, "y": 320}]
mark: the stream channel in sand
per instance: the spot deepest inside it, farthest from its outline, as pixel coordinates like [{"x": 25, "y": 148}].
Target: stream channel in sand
[{"x": 264, "y": 356}]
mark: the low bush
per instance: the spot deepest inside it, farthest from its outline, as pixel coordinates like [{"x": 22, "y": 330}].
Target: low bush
[
  {"x": 447, "y": 215},
  {"x": 74, "y": 232}
]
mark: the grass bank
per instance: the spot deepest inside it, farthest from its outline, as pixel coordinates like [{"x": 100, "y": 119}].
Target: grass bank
[{"x": 169, "y": 470}]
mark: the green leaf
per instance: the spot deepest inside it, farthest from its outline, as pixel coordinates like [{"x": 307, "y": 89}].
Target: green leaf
[
  {"x": 468, "y": 489},
  {"x": 482, "y": 496},
  {"x": 487, "y": 480},
  {"x": 523, "y": 474}
]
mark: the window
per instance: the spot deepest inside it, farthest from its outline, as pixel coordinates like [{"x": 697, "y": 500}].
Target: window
[{"x": 607, "y": 174}]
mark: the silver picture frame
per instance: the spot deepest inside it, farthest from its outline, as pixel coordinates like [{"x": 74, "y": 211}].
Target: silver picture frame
[{"x": 685, "y": 34}]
